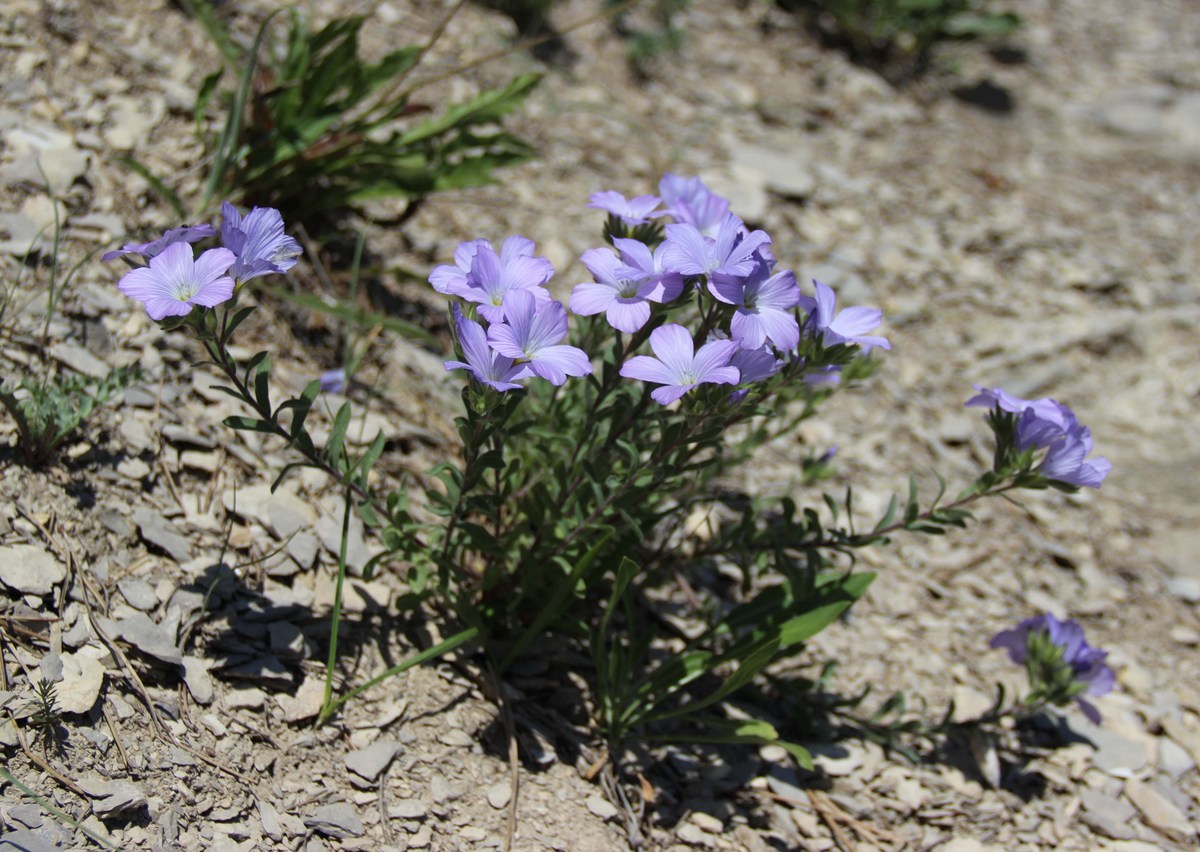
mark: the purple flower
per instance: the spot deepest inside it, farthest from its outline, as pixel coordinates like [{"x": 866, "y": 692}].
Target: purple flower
[
  {"x": 624, "y": 286},
  {"x": 679, "y": 367},
  {"x": 731, "y": 252},
  {"x": 491, "y": 275},
  {"x": 693, "y": 203},
  {"x": 487, "y": 365},
  {"x": 184, "y": 234},
  {"x": 175, "y": 281},
  {"x": 820, "y": 376},
  {"x": 1050, "y": 425},
  {"x": 634, "y": 211},
  {"x": 849, "y": 325},
  {"x": 1088, "y": 671},
  {"x": 533, "y": 335},
  {"x": 333, "y": 381},
  {"x": 753, "y": 365},
  {"x": 258, "y": 241},
  {"x": 764, "y": 307}
]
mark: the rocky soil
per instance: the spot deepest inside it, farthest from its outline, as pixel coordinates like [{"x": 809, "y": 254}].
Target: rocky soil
[{"x": 1049, "y": 248}]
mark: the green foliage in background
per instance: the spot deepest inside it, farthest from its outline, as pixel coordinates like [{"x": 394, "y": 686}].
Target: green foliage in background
[
  {"x": 898, "y": 37},
  {"x": 312, "y": 127}
]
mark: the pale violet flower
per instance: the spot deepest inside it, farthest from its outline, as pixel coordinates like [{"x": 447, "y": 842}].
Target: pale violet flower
[
  {"x": 678, "y": 366},
  {"x": 624, "y": 285},
  {"x": 764, "y": 306},
  {"x": 850, "y": 325},
  {"x": 534, "y": 336},
  {"x": 175, "y": 281},
  {"x": 490, "y": 276},
  {"x": 730, "y": 252},
  {"x": 693, "y": 203},
  {"x": 183, "y": 234},
  {"x": 638, "y": 210},
  {"x": 258, "y": 240},
  {"x": 488, "y": 366}
]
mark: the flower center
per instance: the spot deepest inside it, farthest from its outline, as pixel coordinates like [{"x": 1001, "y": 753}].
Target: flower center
[{"x": 627, "y": 288}]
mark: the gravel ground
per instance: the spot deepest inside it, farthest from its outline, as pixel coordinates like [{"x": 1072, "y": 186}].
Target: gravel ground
[{"x": 1044, "y": 248}]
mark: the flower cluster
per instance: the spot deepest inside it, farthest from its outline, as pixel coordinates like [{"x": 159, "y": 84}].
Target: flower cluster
[
  {"x": 526, "y": 326},
  {"x": 1060, "y": 663},
  {"x": 749, "y": 323},
  {"x": 174, "y": 280},
  {"x": 1046, "y": 424}
]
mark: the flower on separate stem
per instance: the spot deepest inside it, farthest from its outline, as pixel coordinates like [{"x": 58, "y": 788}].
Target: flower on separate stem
[
  {"x": 764, "y": 305},
  {"x": 1060, "y": 663},
  {"x": 182, "y": 234},
  {"x": 753, "y": 365},
  {"x": 1050, "y": 425},
  {"x": 175, "y": 281},
  {"x": 624, "y": 285},
  {"x": 492, "y": 275},
  {"x": 638, "y": 210},
  {"x": 333, "y": 381},
  {"x": 679, "y": 366},
  {"x": 693, "y": 203},
  {"x": 850, "y": 325},
  {"x": 533, "y": 335},
  {"x": 488, "y": 366},
  {"x": 258, "y": 240},
  {"x": 730, "y": 252}
]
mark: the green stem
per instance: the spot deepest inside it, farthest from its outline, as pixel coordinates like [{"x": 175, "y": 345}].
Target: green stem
[
  {"x": 443, "y": 647},
  {"x": 327, "y": 706}
]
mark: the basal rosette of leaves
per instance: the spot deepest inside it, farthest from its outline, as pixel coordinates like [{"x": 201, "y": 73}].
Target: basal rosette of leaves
[
  {"x": 312, "y": 127},
  {"x": 594, "y": 438}
]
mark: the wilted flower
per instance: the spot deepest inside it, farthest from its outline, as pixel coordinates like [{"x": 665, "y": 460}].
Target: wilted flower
[
  {"x": 175, "y": 281},
  {"x": 183, "y": 234},
  {"x": 1060, "y": 663},
  {"x": 258, "y": 241},
  {"x": 679, "y": 366}
]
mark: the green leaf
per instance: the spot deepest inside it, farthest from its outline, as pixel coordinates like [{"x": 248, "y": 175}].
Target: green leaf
[{"x": 249, "y": 424}]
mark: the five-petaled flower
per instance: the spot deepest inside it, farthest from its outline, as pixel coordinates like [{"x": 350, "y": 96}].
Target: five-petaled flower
[
  {"x": 624, "y": 285},
  {"x": 175, "y": 281},
  {"x": 731, "y": 252},
  {"x": 764, "y": 303},
  {"x": 534, "y": 335},
  {"x": 490, "y": 276},
  {"x": 679, "y": 367}
]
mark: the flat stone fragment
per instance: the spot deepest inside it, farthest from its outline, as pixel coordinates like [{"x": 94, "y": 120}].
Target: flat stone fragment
[
  {"x": 1107, "y": 815},
  {"x": 25, "y": 840},
  {"x": 499, "y": 794},
  {"x": 30, "y": 570},
  {"x": 199, "y": 682},
  {"x": 138, "y": 593},
  {"x": 370, "y": 761},
  {"x": 269, "y": 817},
  {"x": 406, "y": 809},
  {"x": 110, "y": 798},
  {"x": 82, "y": 677},
  {"x": 1117, "y": 755},
  {"x": 601, "y": 807},
  {"x": 1160, "y": 812},
  {"x": 339, "y": 820},
  {"x": 307, "y": 702},
  {"x": 149, "y": 638},
  {"x": 161, "y": 533}
]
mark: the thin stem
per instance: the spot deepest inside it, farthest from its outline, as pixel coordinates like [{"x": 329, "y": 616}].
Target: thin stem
[{"x": 335, "y": 617}]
